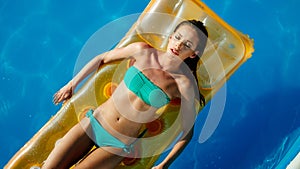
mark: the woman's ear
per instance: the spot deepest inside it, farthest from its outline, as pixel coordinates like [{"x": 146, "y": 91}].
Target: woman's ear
[{"x": 195, "y": 54}]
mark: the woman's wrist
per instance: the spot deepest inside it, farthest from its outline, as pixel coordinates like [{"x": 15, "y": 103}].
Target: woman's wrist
[
  {"x": 163, "y": 164},
  {"x": 71, "y": 84}
]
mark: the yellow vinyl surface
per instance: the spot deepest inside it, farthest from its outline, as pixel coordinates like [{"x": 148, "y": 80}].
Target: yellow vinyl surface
[{"x": 226, "y": 51}]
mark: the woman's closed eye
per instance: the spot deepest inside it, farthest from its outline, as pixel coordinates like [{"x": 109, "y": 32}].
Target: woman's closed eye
[
  {"x": 177, "y": 37},
  {"x": 187, "y": 45}
]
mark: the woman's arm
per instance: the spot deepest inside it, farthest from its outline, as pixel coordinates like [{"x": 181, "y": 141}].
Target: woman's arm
[
  {"x": 188, "y": 116},
  {"x": 175, "y": 152},
  {"x": 188, "y": 119},
  {"x": 107, "y": 57}
]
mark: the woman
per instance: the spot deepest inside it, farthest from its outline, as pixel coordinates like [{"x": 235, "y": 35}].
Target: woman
[{"x": 155, "y": 78}]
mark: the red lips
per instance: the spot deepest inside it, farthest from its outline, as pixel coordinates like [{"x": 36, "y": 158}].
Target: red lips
[{"x": 175, "y": 52}]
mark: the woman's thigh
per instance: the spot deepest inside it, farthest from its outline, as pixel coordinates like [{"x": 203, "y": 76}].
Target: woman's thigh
[
  {"x": 100, "y": 159},
  {"x": 71, "y": 148}
]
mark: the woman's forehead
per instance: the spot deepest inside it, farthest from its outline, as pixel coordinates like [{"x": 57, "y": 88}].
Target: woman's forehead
[{"x": 188, "y": 32}]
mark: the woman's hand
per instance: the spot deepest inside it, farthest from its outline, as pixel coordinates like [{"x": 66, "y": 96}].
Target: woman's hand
[
  {"x": 64, "y": 93},
  {"x": 160, "y": 166}
]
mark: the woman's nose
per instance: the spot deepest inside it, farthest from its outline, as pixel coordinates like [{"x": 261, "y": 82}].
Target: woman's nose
[{"x": 178, "y": 45}]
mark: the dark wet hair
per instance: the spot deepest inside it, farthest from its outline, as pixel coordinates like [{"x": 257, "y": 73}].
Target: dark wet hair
[{"x": 203, "y": 35}]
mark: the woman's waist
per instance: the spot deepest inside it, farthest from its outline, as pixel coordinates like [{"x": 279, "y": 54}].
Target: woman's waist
[
  {"x": 130, "y": 109},
  {"x": 115, "y": 123}
]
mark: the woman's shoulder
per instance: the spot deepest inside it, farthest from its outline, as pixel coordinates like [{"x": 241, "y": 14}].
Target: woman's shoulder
[
  {"x": 184, "y": 82},
  {"x": 140, "y": 50},
  {"x": 186, "y": 86},
  {"x": 140, "y": 45}
]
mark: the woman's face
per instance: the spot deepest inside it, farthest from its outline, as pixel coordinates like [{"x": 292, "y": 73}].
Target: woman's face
[{"x": 183, "y": 42}]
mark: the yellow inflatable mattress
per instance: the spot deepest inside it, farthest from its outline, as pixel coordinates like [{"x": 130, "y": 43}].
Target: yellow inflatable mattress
[{"x": 226, "y": 51}]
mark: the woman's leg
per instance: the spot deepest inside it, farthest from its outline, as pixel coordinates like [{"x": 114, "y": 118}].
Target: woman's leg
[
  {"x": 100, "y": 158},
  {"x": 71, "y": 148}
]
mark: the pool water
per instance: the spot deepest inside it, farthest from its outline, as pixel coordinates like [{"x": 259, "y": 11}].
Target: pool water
[{"x": 41, "y": 39}]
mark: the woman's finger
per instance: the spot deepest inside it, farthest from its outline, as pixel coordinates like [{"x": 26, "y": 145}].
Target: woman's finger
[
  {"x": 59, "y": 97},
  {"x": 67, "y": 95},
  {"x": 55, "y": 99}
]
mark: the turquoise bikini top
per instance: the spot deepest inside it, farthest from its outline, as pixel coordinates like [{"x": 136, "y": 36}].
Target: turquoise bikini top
[{"x": 139, "y": 84}]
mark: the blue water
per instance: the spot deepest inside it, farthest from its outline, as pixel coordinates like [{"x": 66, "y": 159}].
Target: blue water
[{"x": 41, "y": 39}]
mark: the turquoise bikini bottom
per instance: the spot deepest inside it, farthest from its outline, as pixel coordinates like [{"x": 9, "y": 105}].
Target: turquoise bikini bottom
[{"x": 105, "y": 139}]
